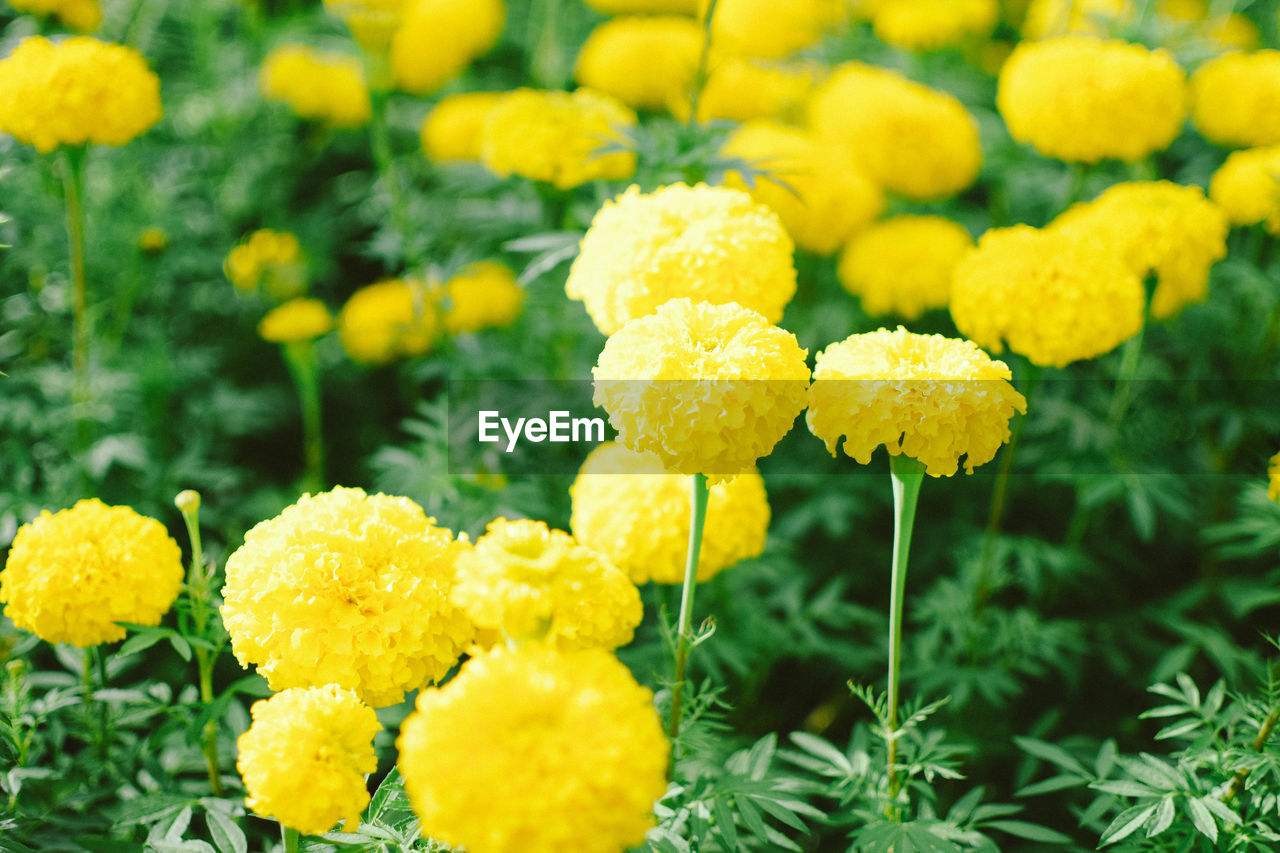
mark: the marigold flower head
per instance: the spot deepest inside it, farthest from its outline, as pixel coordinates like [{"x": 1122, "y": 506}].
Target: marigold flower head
[
  {"x": 296, "y": 320},
  {"x": 932, "y": 24},
  {"x": 708, "y": 388},
  {"x": 1157, "y": 227},
  {"x": 928, "y": 397},
  {"x": 349, "y": 589},
  {"x": 714, "y": 244},
  {"x": 557, "y": 137},
  {"x": 820, "y": 195},
  {"x": 627, "y": 506},
  {"x": 1047, "y": 18},
  {"x": 904, "y": 265},
  {"x": 1083, "y": 100},
  {"x": 268, "y": 260},
  {"x": 915, "y": 141},
  {"x": 767, "y": 29},
  {"x": 451, "y": 131},
  {"x": 82, "y": 15},
  {"x": 305, "y": 757},
  {"x": 319, "y": 86},
  {"x": 1045, "y": 294},
  {"x": 644, "y": 61},
  {"x": 1247, "y": 188},
  {"x": 79, "y": 91},
  {"x": 372, "y": 22},
  {"x": 484, "y": 295},
  {"x": 742, "y": 89},
  {"x": 644, "y": 7},
  {"x": 1273, "y": 491},
  {"x": 440, "y": 38},
  {"x": 1236, "y": 99},
  {"x": 388, "y": 320},
  {"x": 530, "y": 582},
  {"x": 534, "y": 750},
  {"x": 72, "y": 575}
]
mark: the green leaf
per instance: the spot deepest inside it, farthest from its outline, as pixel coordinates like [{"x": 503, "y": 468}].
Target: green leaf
[
  {"x": 1054, "y": 783},
  {"x": 724, "y": 822},
  {"x": 1126, "y": 823},
  {"x": 1029, "y": 831},
  {"x": 1202, "y": 819},
  {"x": 1051, "y": 753},
  {"x": 1125, "y": 788},
  {"x": 150, "y": 808},
  {"x": 1222, "y": 810},
  {"x": 1162, "y": 819},
  {"x": 181, "y": 646},
  {"x": 138, "y": 642},
  {"x": 227, "y": 836}
]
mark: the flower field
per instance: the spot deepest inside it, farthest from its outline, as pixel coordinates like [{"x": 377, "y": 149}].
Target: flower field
[{"x": 680, "y": 426}]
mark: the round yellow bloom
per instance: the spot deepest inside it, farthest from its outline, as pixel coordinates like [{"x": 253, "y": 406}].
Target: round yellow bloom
[
  {"x": 644, "y": 7},
  {"x": 80, "y": 91},
  {"x": 296, "y": 320},
  {"x": 708, "y": 388},
  {"x": 1079, "y": 99},
  {"x": 82, "y": 15},
  {"x": 904, "y": 265},
  {"x": 533, "y": 583},
  {"x": 1247, "y": 188},
  {"x": 153, "y": 241},
  {"x": 645, "y": 62},
  {"x": 1046, "y": 18},
  {"x": 349, "y": 589},
  {"x": 323, "y": 87},
  {"x": 627, "y": 506},
  {"x": 933, "y": 24},
  {"x": 915, "y": 141},
  {"x": 440, "y": 38},
  {"x": 713, "y": 244},
  {"x": 372, "y": 22},
  {"x": 1156, "y": 227},
  {"x": 820, "y": 195},
  {"x": 451, "y": 131},
  {"x": 485, "y": 295},
  {"x": 72, "y": 575},
  {"x": 1236, "y": 99},
  {"x": 768, "y": 29},
  {"x": 305, "y": 757},
  {"x": 931, "y": 398},
  {"x": 556, "y": 137},
  {"x": 534, "y": 750},
  {"x": 742, "y": 89},
  {"x": 1273, "y": 491},
  {"x": 1047, "y": 295},
  {"x": 392, "y": 319},
  {"x": 270, "y": 260}
]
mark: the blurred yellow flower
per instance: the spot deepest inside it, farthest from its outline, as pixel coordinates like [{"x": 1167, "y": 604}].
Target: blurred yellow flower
[
  {"x": 297, "y": 320},
  {"x": 79, "y": 91},
  {"x": 1235, "y": 99},
  {"x": 1047, "y": 18},
  {"x": 768, "y": 29},
  {"x": 319, "y": 86},
  {"x": 372, "y": 22},
  {"x": 305, "y": 757},
  {"x": 644, "y": 61},
  {"x": 932, "y": 24},
  {"x": 484, "y": 295},
  {"x": 904, "y": 265},
  {"x": 1247, "y": 188},
  {"x": 644, "y": 7},
  {"x": 1228, "y": 32},
  {"x": 928, "y": 397},
  {"x": 536, "y": 751},
  {"x": 1273, "y": 491},
  {"x": 153, "y": 241},
  {"x": 440, "y": 38},
  {"x": 557, "y": 137},
  {"x": 713, "y": 244},
  {"x": 388, "y": 320},
  {"x": 82, "y": 15},
  {"x": 915, "y": 141},
  {"x": 627, "y": 506},
  {"x": 268, "y": 260},
  {"x": 742, "y": 89},
  {"x": 821, "y": 195},
  {"x": 451, "y": 131}
]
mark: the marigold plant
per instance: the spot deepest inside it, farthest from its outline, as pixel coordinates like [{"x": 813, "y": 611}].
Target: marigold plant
[
  {"x": 1247, "y": 188},
  {"x": 451, "y": 130},
  {"x": 82, "y": 15},
  {"x": 644, "y": 61},
  {"x": 904, "y": 264},
  {"x": 391, "y": 319},
  {"x": 482, "y": 295},
  {"x": 296, "y": 320},
  {"x": 267, "y": 260},
  {"x": 1235, "y": 99},
  {"x": 315, "y": 85},
  {"x": 438, "y": 39},
  {"x": 931, "y": 24}
]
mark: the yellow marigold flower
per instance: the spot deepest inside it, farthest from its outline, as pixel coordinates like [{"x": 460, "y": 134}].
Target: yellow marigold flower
[
  {"x": 82, "y": 15},
  {"x": 904, "y": 265},
  {"x": 1228, "y": 32},
  {"x": 556, "y": 137},
  {"x": 533, "y": 583},
  {"x": 928, "y": 397},
  {"x": 644, "y": 61},
  {"x": 915, "y": 141},
  {"x": 1247, "y": 188},
  {"x": 768, "y": 29},
  {"x": 72, "y": 575},
  {"x": 1046, "y": 18},
  {"x": 708, "y": 388},
  {"x": 713, "y": 244},
  {"x": 153, "y": 241},
  {"x": 933, "y": 24},
  {"x": 1236, "y": 99},
  {"x": 319, "y": 86},
  {"x": 1047, "y": 295},
  {"x": 349, "y": 589},
  {"x": 440, "y": 38},
  {"x": 392, "y": 319},
  {"x": 627, "y": 506},
  {"x": 1273, "y": 490},
  {"x": 742, "y": 89},
  {"x": 484, "y": 295},
  {"x": 1157, "y": 227},
  {"x": 80, "y": 91},
  {"x": 305, "y": 757},
  {"x": 451, "y": 131},
  {"x": 820, "y": 195},
  {"x": 644, "y": 7},
  {"x": 372, "y": 22},
  {"x": 270, "y": 260},
  {"x": 1083, "y": 100},
  {"x": 297, "y": 320},
  {"x": 533, "y": 750}
]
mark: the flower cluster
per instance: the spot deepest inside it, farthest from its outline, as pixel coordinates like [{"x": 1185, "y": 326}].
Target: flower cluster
[
  {"x": 438, "y": 39},
  {"x": 323, "y": 87},
  {"x": 1247, "y": 188},
  {"x": 451, "y": 130},
  {"x": 82, "y": 15},
  {"x": 1236, "y": 99},
  {"x": 271, "y": 261},
  {"x": 904, "y": 264},
  {"x": 295, "y": 321},
  {"x": 931, "y": 24},
  {"x": 647, "y": 62}
]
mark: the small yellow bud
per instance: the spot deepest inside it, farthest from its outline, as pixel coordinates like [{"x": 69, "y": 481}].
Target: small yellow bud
[
  {"x": 153, "y": 241},
  {"x": 187, "y": 501}
]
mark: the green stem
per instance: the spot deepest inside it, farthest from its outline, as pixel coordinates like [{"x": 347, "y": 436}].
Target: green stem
[
  {"x": 198, "y": 590},
  {"x": 701, "y": 75},
  {"x": 378, "y": 71},
  {"x": 1129, "y": 361},
  {"x": 73, "y": 183},
  {"x": 1075, "y": 185},
  {"x": 94, "y": 662},
  {"x": 300, "y": 356},
  {"x": 697, "y": 519},
  {"x": 1264, "y": 734},
  {"x": 289, "y": 838},
  {"x": 907, "y": 475}
]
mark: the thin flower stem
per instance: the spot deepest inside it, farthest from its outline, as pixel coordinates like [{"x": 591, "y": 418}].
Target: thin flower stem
[
  {"x": 907, "y": 475},
  {"x": 378, "y": 73},
  {"x": 198, "y": 590},
  {"x": 700, "y": 76},
  {"x": 1129, "y": 362},
  {"x": 73, "y": 184},
  {"x": 300, "y": 356},
  {"x": 289, "y": 838},
  {"x": 95, "y": 664},
  {"x": 697, "y": 519},
  {"x": 1264, "y": 734}
]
